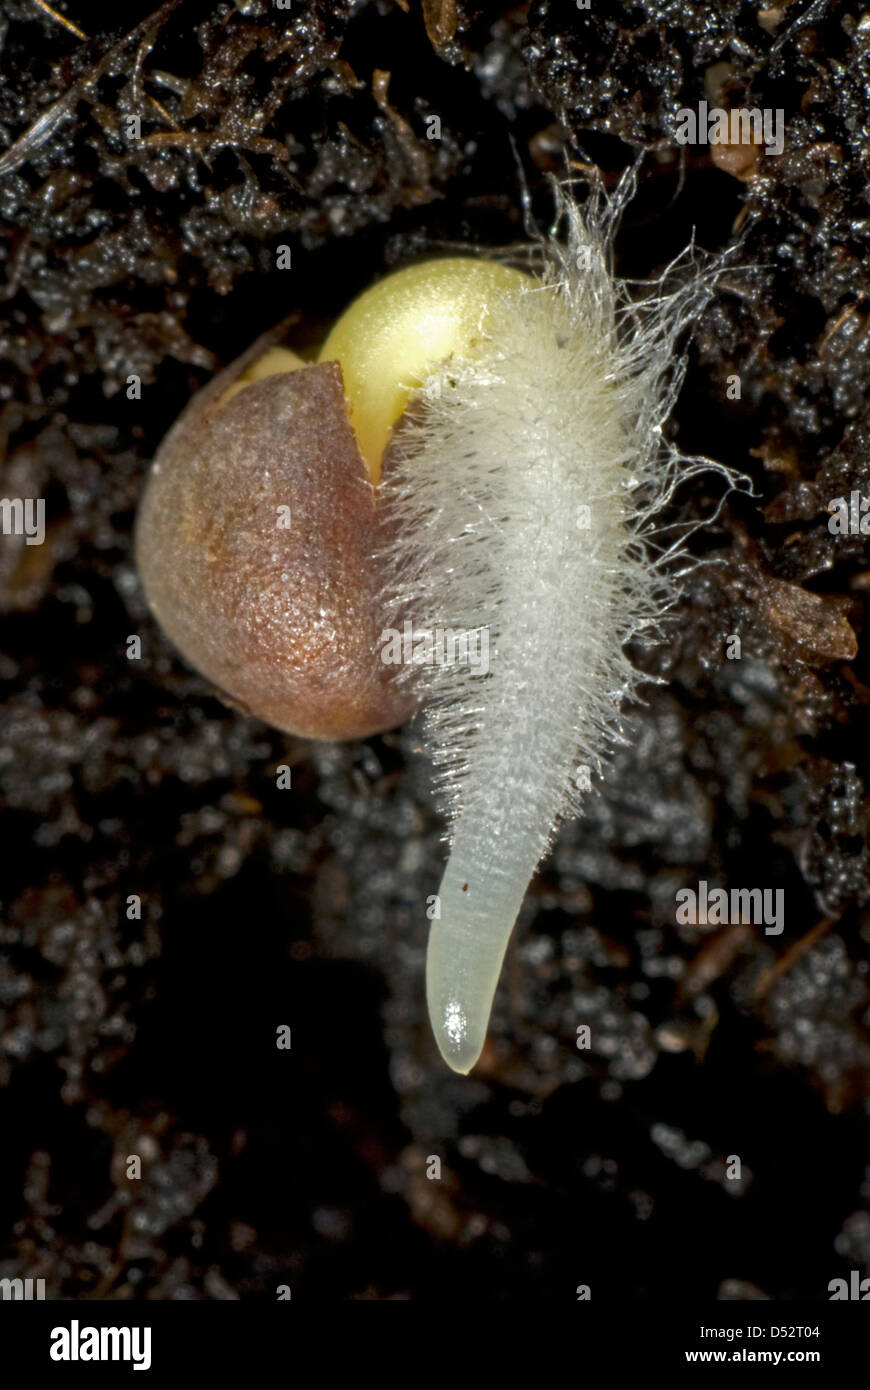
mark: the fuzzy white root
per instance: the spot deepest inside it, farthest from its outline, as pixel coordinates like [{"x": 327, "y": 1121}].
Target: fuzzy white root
[{"x": 524, "y": 491}]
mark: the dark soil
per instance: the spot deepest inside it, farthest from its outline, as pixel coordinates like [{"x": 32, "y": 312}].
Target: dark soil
[{"x": 155, "y": 1036}]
